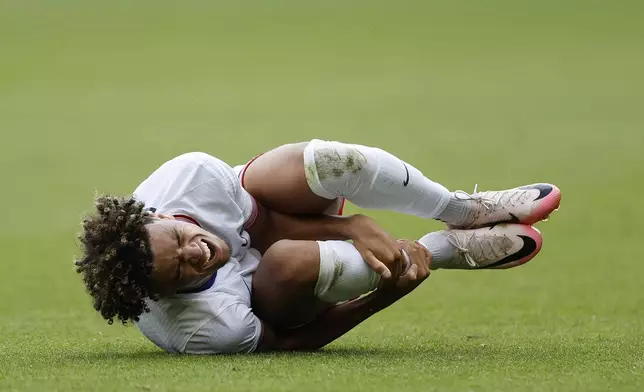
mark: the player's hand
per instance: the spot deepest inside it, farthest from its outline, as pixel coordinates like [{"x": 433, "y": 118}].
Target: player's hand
[
  {"x": 412, "y": 273},
  {"x": 377, "y": 248}
]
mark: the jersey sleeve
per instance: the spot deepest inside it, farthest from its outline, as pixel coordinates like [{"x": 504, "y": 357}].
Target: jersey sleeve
[
  {"x": 201, "y": 186},
  {"x": 235, "y": 330},
  {"x": 215, "y": 177},
  {"x": 226, "y": 173}
]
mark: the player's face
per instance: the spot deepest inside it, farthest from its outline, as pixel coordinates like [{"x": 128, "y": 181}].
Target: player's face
[{"x": 185, "y": 255}]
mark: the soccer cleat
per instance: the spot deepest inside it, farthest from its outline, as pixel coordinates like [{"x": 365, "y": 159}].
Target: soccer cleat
[
  {"x": 498, "y": 247},
  {"x": 526, "y": 204}
]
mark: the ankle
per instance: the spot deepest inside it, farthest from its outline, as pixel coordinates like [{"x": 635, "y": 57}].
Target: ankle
[
  {"x": 458, "y": 212},
  {"x": 441, "y": 249}
]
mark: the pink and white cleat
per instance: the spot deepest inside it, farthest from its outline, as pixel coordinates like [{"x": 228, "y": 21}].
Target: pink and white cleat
[
  {"x": 526, "y": 204},
  {"x": 498, "y": 247}
]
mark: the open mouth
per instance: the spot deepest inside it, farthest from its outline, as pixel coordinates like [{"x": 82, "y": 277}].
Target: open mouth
[{"x": 210, "y": 252}]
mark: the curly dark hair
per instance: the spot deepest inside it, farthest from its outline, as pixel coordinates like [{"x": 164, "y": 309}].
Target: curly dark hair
[{"x": 117, "y": 260}]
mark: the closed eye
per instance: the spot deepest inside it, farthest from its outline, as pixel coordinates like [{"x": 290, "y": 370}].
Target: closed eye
[
  {"x": 177, "y": 236},
  {"x": 178, "y": 273}
]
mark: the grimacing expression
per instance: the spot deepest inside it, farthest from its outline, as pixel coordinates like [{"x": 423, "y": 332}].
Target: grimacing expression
[{"x": 184, "y": 255}]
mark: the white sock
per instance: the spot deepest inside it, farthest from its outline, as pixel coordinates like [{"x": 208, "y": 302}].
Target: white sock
[
  {"x": 441, "y": 249},
  {"x": 371, "y": 178},
  {"x": 343, "y": 273},
  {"x": 458, "y": 211}
]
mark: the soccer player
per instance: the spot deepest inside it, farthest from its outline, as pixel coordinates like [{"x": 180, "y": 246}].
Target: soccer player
[{"x": 207, "y": 259}]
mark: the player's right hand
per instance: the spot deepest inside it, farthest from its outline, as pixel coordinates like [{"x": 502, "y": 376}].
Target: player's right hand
[{"x": 377, "y": 248}]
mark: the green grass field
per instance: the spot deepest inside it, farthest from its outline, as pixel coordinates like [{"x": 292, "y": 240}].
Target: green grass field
[{"x": 95, "y": 95}]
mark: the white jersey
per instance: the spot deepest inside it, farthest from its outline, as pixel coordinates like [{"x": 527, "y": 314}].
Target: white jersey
[{"x": 204, "y": 189}]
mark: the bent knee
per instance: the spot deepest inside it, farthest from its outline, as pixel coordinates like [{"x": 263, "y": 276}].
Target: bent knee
[
  {"x": 291, "y": 262},
  {"x": 335, "y": 159},
  {"x": 283, "y": 284}
]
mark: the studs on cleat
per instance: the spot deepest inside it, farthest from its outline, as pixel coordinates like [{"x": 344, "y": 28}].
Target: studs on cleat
[{"x": 548, "y": 216}]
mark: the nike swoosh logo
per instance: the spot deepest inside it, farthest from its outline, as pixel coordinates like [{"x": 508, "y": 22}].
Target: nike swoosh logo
[
  {"x": 544, "y": 190},
  {"x": 406, "y": 179},
  {"x": 529, "y": 246}
]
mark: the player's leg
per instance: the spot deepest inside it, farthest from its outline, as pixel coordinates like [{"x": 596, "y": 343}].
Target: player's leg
[
  {"x": 277, "y": 180},
  {"x": 308, "y": 177},
  {"x": 296, "y": 280}
]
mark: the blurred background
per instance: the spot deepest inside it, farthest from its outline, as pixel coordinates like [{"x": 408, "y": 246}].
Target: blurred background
[{"x": 96, "y": 95}]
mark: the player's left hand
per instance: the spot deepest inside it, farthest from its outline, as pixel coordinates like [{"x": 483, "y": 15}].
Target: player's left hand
[
  {"x": 378, "y": 249},
  {"x": 411, "y": 273}
]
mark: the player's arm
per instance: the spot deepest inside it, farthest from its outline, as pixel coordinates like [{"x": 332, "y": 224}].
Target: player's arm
[
  {"x": 340, "y": 319},
  {"x": 376, "y": 246},
  {"x": 327, "y": 327}
]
